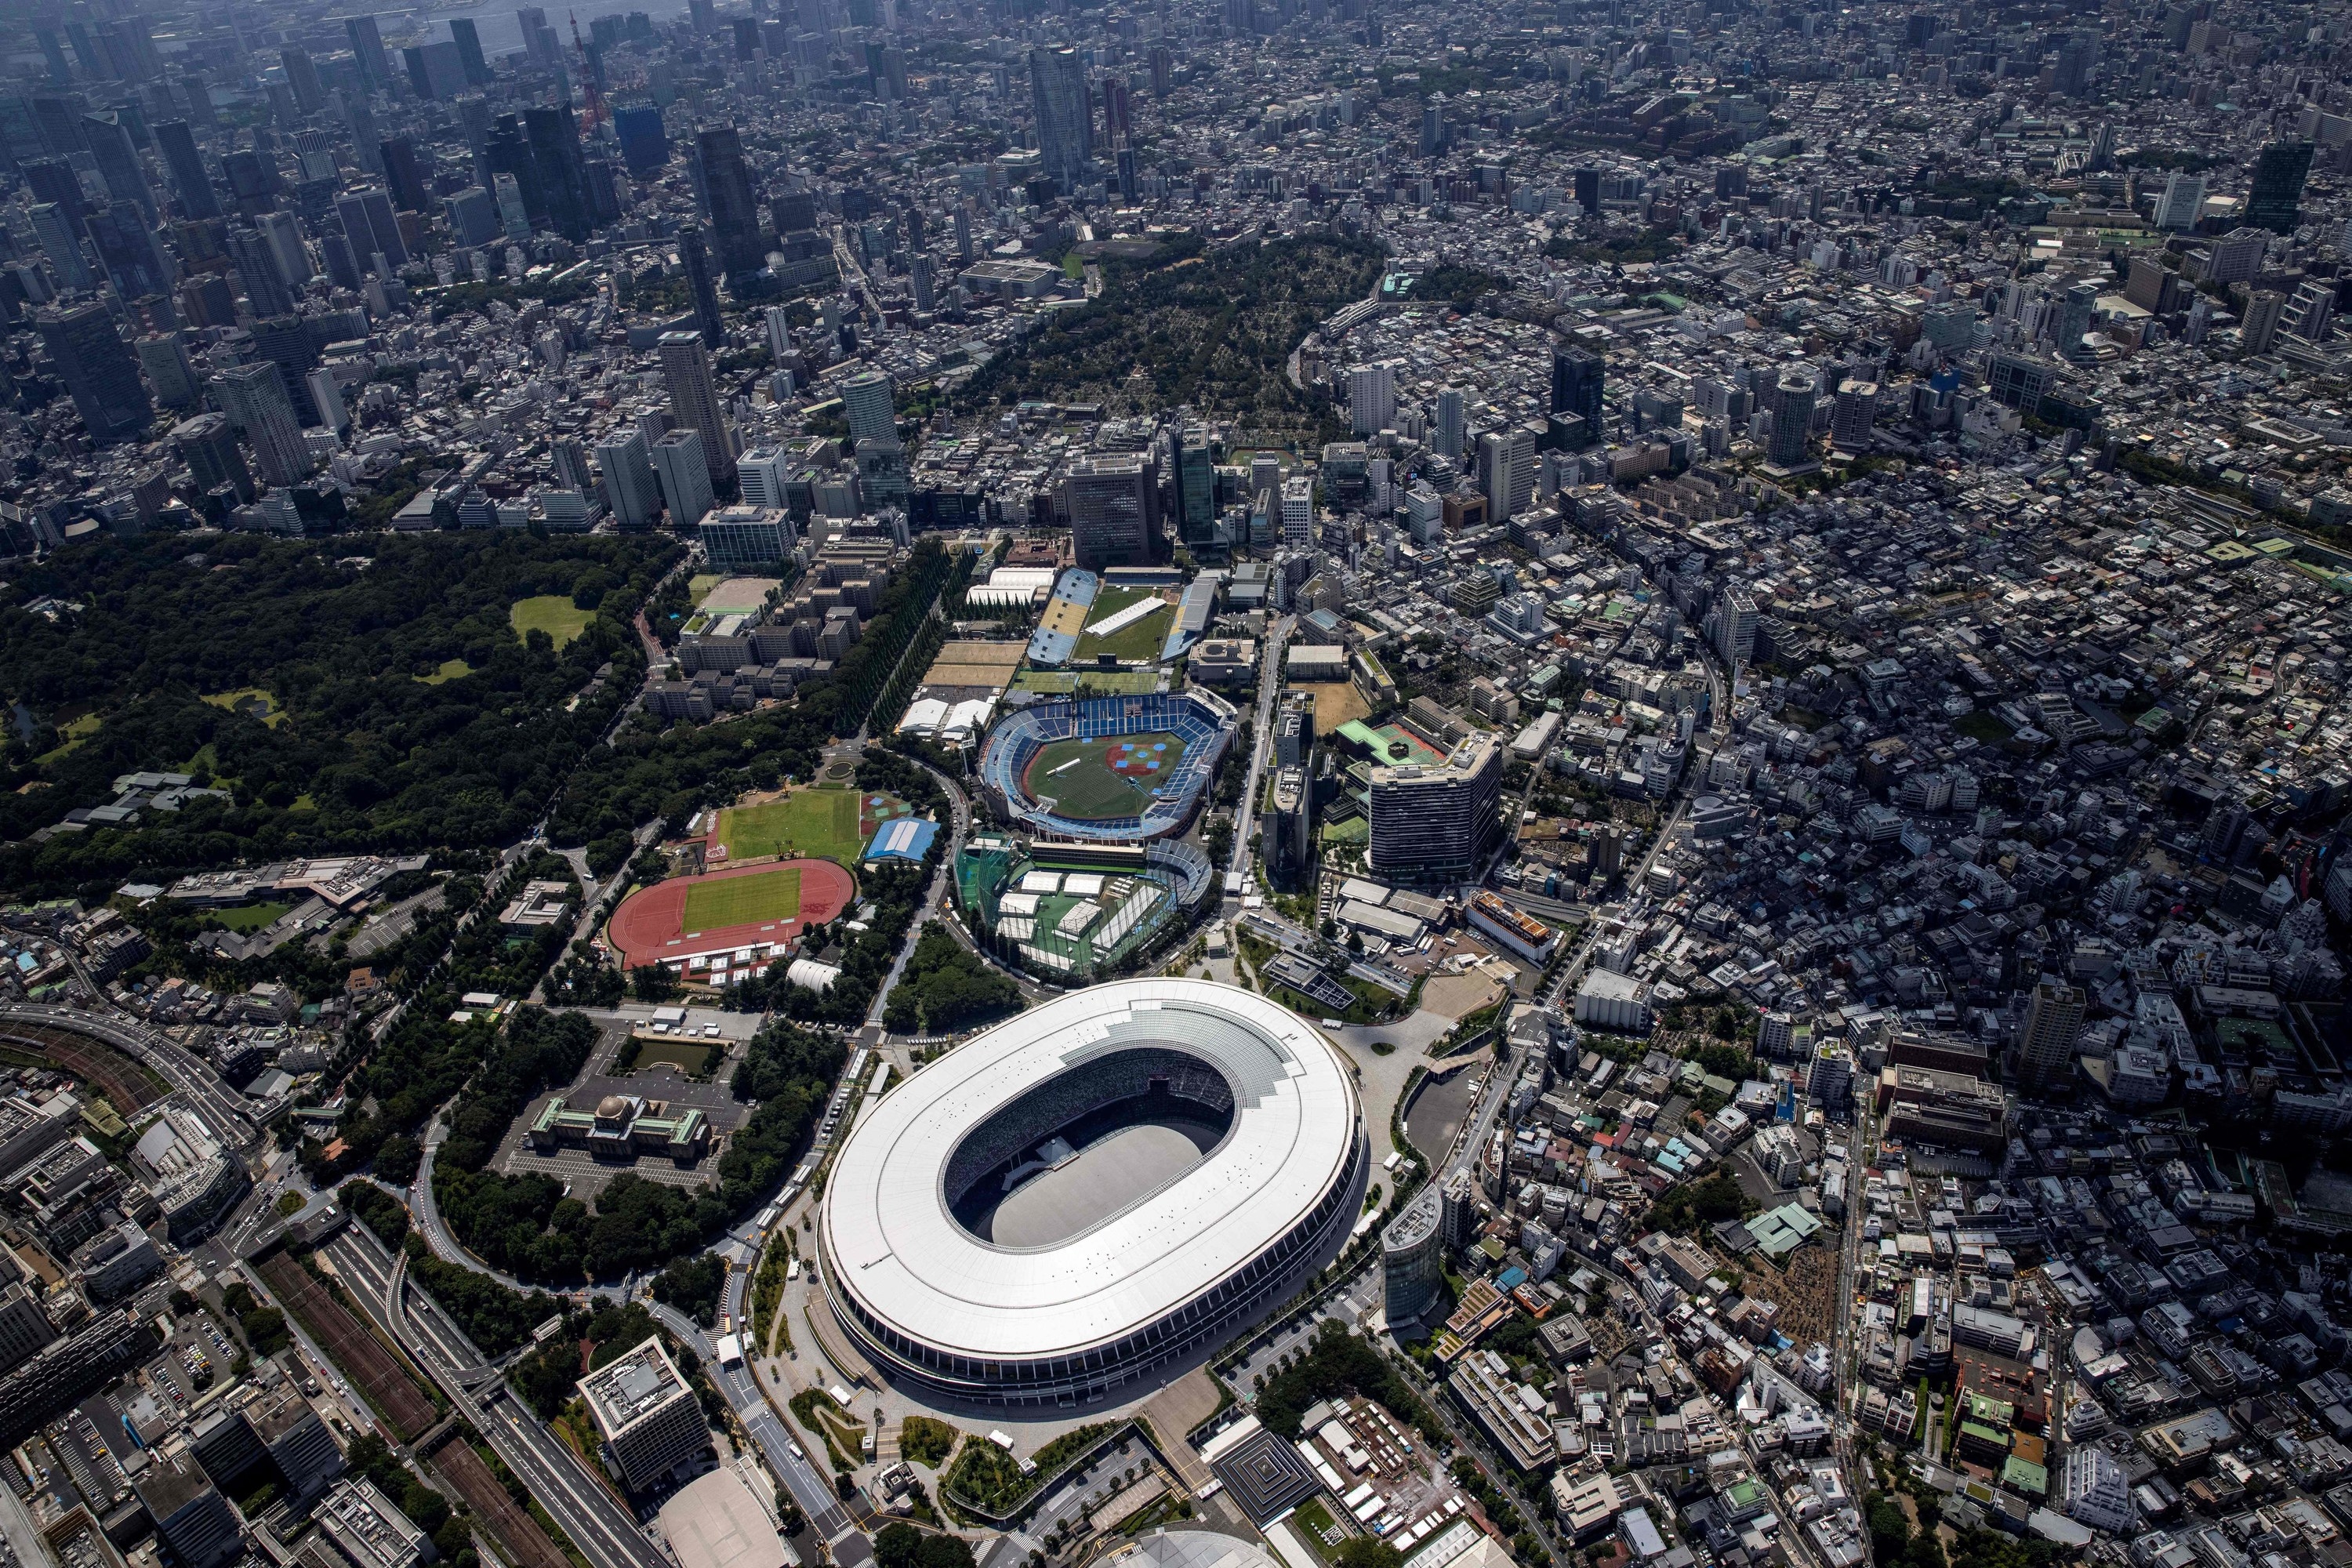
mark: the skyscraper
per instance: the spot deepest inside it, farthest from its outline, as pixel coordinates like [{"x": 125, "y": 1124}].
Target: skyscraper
[
  {"x": 685, "y": 477},
  {"x": 404, "y": 175},
  {"x": 1196, "y": 487},
  {"x": 2046, "y": 1040},
  {"x": 630, "y": 487},
  {"x": 1438, "y": 821},
  {"x": 2183, "y": 202},
  {"x": 694, "y": 399},
  {"x": 645, "y": 148},
  {"x": 302, "y": 77},
  {"x": 1578, "y": 380},
  {"x": 207, "y": 444},
  {"x": 867, "y": 402},
  {"x": 1114, "y": 506},
  {"x": 98, "y": 370},
  {"x": 257, "y": 270},
  {"x": 469, "y": 50},
  {"x": 367, "y": 51},
  {"x": 165, "y": 360},
  {"x": 60, "y": 234},
  {"x": 126, "y": 248},
  {"x": 696, "y": 259},
  {"x": 1792, "y": 417},
  {"x": 507, "y": 152},
  {"x": 254, "y": 396},
  {"x": 562, "y": 178},
  {"x": 1446, "y": 439},
  {"x": 1058, "y": 98},
  {"x": 1372, "y": 398},
  {"x": 286, "y": 246},
  {"x": 2275, "y": 197},
  {"x": 286, "y": 342},
  {"x": 729, "y": 203},
  {"x": 118, "y": 160},
  {"x": 189, "y": 181}
]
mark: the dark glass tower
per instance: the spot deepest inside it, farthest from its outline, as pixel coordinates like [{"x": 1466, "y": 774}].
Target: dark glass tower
[
  {"x": 189, "y": 181},
  {"x": 729, "y": 203},
  {"x": 644, "y": 147},
  {"x": 508, "y": 153},
  {"x": 1576, "y": 385},
  {"x": 2275, "y": 199},
  {"x": 403, "y": 175},
  {"x": 562, "y": 178},
  {"x": 98, "y": 370},
  {"x": 696, "y": 259}
]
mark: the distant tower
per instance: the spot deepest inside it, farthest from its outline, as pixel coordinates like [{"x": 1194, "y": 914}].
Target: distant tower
[
  {"x": 99, "y": 371},
  {"x": 1064, "y": 115},
  {"x": 867, "y": 404},
  {"x": 694, "y": 399},
  {"x": 2045, "y": 1044}
]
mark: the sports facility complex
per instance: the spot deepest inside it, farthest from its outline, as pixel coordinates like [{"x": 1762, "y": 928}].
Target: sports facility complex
[
  {"x": 1069, "y": 912},
  {"x": 727, "y": 922},
  {"x": 1106, "y": 768},
  {"x": 1091, "y": 1192}
]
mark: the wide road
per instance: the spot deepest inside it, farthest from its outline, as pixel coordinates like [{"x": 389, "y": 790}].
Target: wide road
[
  {"x": 785, "y": 1456},
  {"x": 1269, "y": 685},
  {"x": 581, "y": 1503}
]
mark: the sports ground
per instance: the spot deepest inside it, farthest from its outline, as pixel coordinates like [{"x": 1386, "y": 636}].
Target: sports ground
[
  {"x": 1091, "y": 780},
  {"x": 813, "y": 824},
  {"x": 744, "y": 906}
]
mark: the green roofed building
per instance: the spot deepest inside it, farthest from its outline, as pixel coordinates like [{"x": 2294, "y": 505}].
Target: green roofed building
[
  {"x": 2024, "y": 1476},
  {"x": 622, "y": 1126}
]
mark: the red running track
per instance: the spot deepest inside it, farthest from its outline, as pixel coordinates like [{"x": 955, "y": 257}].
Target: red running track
[{"x": 650, "y": 924}]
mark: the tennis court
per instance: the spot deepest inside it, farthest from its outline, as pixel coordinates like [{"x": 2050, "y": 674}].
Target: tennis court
[
  {"x": 743, "y": 900},
  {"x": 1094, "y": 779}
]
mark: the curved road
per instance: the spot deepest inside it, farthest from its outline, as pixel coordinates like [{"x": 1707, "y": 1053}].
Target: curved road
[{"x": 191, "y": 1079}]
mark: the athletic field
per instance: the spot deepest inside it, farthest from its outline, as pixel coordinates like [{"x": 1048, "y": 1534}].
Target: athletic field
[
  {"x": 1095, "y": 780},
  {"x": 817, "y": 824},
  {"x": 743, "y": 900}
]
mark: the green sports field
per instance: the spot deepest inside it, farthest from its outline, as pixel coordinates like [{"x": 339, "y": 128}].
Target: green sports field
[
  {"x": 812, "y": 824},
  {"x": 1093, "y": 780},
  {"x": 743, "y": 900}
]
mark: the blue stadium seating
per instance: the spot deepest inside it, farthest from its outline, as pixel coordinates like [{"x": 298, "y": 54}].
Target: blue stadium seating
[{"x": 1202, "y": 721}]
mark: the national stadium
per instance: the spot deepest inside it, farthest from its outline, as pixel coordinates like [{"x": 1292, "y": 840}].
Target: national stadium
[
  {"x": 1096, "y": 1189},
  {"x": 1106, "y": 768}
]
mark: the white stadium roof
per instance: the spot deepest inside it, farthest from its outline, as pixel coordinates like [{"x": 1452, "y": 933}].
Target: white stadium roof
[{"x": 895, "y": 1246}]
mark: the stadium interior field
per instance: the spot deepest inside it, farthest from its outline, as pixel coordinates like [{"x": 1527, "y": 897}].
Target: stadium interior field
[
  {"x": 743, "y": 900},
  {"x": 819, "y": 823},
  {"x": 1091, "y": 1168},
  {"x": 1096, "y": 779}
]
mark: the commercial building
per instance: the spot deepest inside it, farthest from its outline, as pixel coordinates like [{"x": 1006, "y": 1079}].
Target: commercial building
[
  {"x": 694, "y": 400},
  {"x": 1607, "y": 1000},
  {"x": 649, "y": 1418},
  {"x": 1064, "y": 113},
  {"x": 253, "y": 397},
  {"x": 1437, "y": 821},
  {"x": 369, "y": 1529},
  {"x": 2046, "y": 1040},
  {"x": 1412, "y": 1259},
  {"x": 2096, "y": 1492},
  {"x": 1114, "y": 508},
  {"x": 2275, "y": 197},
  {"x": 747, "y": 538},
  {"x": 867, "y": 404},
  {"x": 685, "y": 477},
  {"x": 98, "y": 369},
  {"x": 631, "y": 487}
]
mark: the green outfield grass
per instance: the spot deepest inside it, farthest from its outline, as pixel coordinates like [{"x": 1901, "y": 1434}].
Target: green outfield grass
[
  {"x": 743, "y": 900},
  {"x": 1141, "y": 640},
  {"x": 815, "y": 824},
  {"x": 1077, "y": 775},
  {"x": 553, "y": 614}
]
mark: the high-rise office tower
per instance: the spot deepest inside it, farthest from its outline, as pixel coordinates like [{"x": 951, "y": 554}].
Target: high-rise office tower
[
  {"x": 728, "y": 202},
  {"x": 98, "y": 370},
  {"x": 1856, "y": 410},
  {"x": 1196, "y": 487},
  {"x": 2077, "y": 310},
  {"x": 924, "y": 282},
  {"x": 780, "y": 333},
  {"x": 286, "y": 247},
  {"x": 207, "y": 444},
  {"x": 1445, "y": 437},
  {"x": 2275, "y": 197},
  {"x": 2265, "y": 309},
  {"x": 1735, "y": 627},
  {"x": 435, "y": 71},
  {"x": 1163, "y": 71},
  {"x": 694, "y": 401},
  {"x": 1586, "y": 183},
  {"x": 118, "y": 160},
  {"x": 644, "y": 147},
  {"x": 126, "y": 247},
  {"x": 1579, "y": 377},
  {"x": 538, "y": 38},
  {"x": 1372, "y": 398},
  {"x": 60, "y": 234},
  {"x": 868, "y": 404},
  {"x": 165, "y": 360},
  {"x": 507, "y": 152},
  {"x": 1432, "y": 125},
  {"x": 1059, "y": 99},
  {"x": 696, "y": 260},
  {"x": 2046, "y": 1040},
  {"x": 1792, "y": 417},
  {"x": 359, "y": 229},
  {"x": 473, "y": 217},
  {"x": 302, "y": 77},
  {"x": 189, "y": 181},
  {"x": 257, "y": 272},
  {"x": 1438, "y": 821},
  {"x": 367, "y": 51},
  {"x": 404, "y": 175},
  {"x": 2183, "y": 202},
  {"x": 469, "y": 51},
  {"x": 963, "y": 235},
  {"x": 1113, "y": 501},
  {"x": 685, "y": 477},
  {"x": 631, "y": 488},
  {"x": 286, "y": 342},
  {"x": 562, "y": 178}
]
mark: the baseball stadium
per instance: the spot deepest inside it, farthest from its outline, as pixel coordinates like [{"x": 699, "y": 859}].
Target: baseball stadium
[
  {"x": 1110, "y": 769},
  {"x": 1092, "y": 1192}
]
